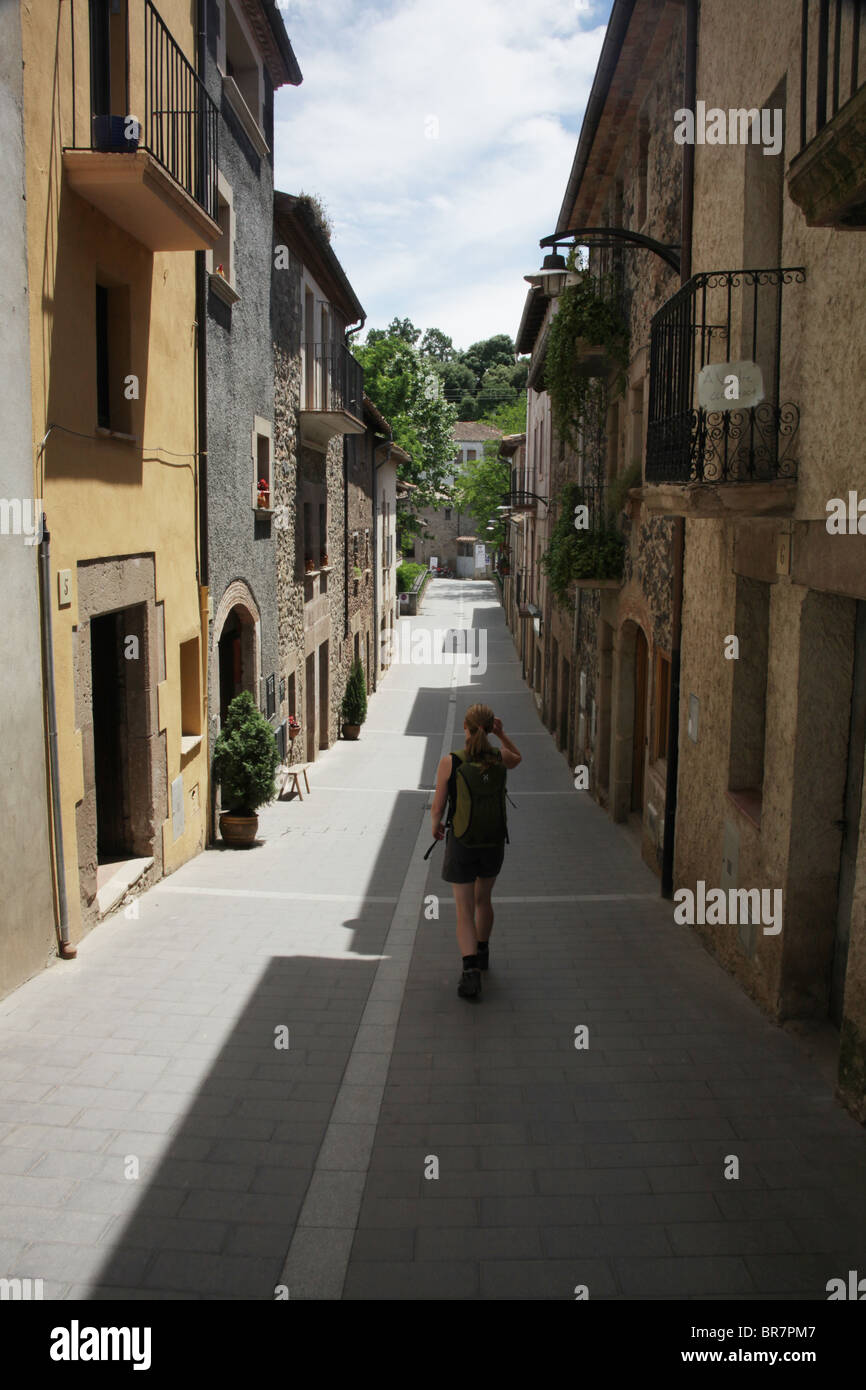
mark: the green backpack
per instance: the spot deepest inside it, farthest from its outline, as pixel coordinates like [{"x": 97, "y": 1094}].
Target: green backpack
[{"x": 478, "y": 818}]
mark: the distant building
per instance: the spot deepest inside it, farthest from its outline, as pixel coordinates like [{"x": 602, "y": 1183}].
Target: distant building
[{"x": 449, "y": 534}]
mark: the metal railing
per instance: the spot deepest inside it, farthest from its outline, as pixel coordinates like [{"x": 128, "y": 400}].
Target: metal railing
[
  {"x": 333, "y": 379},
  {"x": 181, "y": 123},
  {"x": 717, "y": 317},
  {"x": 829, "y": 61}
]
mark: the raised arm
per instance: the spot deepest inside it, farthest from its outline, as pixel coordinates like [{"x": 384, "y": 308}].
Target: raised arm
[{"x": 510, "y": 756}]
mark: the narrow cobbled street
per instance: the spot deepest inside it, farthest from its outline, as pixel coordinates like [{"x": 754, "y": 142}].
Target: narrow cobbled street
[{"x": 247, "y": 1090}]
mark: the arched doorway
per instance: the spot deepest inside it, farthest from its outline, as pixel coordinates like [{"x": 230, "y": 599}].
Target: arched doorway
[{"x": 237, "y": 667}]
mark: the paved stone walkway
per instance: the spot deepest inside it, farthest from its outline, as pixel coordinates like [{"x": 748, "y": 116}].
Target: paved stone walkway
[{"x": 157, "y": 1141}]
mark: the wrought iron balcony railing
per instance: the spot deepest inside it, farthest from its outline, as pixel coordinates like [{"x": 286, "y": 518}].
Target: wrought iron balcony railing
[
  {"x": 830, "y": 72},
  {"x": 333, "y": 379},
  {"x": 733, "y": 317},
  {"x": 181, "y": 123}
]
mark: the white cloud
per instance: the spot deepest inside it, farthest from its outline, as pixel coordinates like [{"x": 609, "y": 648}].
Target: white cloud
[{"x": 441, "y": 229}]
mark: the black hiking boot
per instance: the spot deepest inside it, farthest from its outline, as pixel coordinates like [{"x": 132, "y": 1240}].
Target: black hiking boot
[
  {"x": 482, "y": 957},
  {"x": 470, "y": 985}
]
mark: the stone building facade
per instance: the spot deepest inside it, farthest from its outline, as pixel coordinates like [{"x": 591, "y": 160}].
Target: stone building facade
[
  {"x": 771, "y": 730},
  {"x": 318, "y": 400},
  {"x": 600, "y": 664},
  {"x": 249, "y": 39}
]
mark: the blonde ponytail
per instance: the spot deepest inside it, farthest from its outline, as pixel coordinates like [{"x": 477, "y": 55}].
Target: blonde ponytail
[{"x": 479, "y": 723}]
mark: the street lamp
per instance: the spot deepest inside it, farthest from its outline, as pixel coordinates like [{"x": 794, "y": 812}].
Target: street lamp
[{"x": 554, "y": 275}]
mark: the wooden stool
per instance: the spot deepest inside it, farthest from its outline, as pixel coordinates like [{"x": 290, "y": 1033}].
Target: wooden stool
[{"x": 293, "y": 780}]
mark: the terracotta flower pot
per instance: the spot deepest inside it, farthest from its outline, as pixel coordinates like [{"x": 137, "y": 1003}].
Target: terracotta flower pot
[
  {"x": 351, "y": 731},
  {"x": 238, "y": 831}
]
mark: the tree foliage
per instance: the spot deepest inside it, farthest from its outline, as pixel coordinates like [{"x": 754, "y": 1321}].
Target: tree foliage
[
  {"x": 478, "y": 490},
  {"x": 245, "y": 757},
  {"x": 406, "y": 388},
  {"x": 354, "y": 708}
]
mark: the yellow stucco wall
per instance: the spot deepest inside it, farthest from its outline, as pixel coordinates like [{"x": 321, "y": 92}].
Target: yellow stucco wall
[{"x": 104, "y": 497}]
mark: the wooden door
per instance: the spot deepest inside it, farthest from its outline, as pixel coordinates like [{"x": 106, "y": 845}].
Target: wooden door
[{"x": 640, "y": 721}]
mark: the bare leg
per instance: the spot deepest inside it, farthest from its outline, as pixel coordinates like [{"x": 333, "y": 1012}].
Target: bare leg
[
  {"x": 464, "y": 901},
  {"x": 483, "y": 908}
]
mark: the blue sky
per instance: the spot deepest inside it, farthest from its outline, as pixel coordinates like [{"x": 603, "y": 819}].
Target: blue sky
[{"x": 439, "y": 134}]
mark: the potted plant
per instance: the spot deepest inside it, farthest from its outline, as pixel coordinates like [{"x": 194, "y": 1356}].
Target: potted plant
[
  {"x": 309, "y": 565},
  {"x": 357, "y": 571},
  {"x": 264, "y": 492},
  {"x": 245, "y": 763},
  {"x": 294, "y": 727},
  {"x": 324, "y": 562},
  {"x": 354, "y": 708}
]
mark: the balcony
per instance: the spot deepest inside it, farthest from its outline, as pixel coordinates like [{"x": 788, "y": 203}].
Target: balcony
[
  {"x": 520, "y": 503},
  {"x": 827, "y": 179},
  {"x": 156, "y": 177},
  {"x": 332, "y": 394},
  {"x": 721, "y": 439}
]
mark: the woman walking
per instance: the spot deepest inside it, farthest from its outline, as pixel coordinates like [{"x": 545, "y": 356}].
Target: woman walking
[{"x": 472, "y": 782}]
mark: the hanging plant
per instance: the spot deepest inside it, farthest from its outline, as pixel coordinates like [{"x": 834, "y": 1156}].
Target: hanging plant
[
  {"x": 597, "y": 552},
  {"x": 587, "y": 316}
]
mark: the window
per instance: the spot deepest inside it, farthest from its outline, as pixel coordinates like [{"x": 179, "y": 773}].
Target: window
[
  {"x": 642, "y": 173},
  {"x": 308, "y": 533},
  {"x": 270, "y": 697},
  {"x": 103, "y": 407},
  {"x": 113, "y": 353},
  {"x": 221, "y": 257},
  {"x": 749, "y": 696},
  {"x": 637, "y": 425},
  {"x": 470, "y": 454},
  {"x": 262, "y": 453},
  {"x": 662, "y": 705},
  {"x": 447, "y": 513},
  {"x": 241, "y": 64},
  {"x": 190, "y": 689},
  {"x": 292, "y": 695}
]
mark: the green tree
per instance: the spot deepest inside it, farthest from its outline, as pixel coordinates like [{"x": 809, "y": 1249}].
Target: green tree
[
  {"x": 245, "y": 757},
  {"x": 438, "y": 345},
  {"x": 468, "y": 409},
  {"x": 354, "y": 707},
  {"x": 489, "y": 352},
  {"x": 496, "y": 388},
  {"x": 510, "y": 418},
  {"x": 406, "y": 388},
  {"x": 457, "y": 380},
  {"x": 478, "y": 490}
]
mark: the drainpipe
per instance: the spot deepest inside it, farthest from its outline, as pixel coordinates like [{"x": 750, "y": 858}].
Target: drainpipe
[
  {"x": 679, "y": 537},
  {"x": 201, "y": 342},
  {"x": 66, "y": 950}
]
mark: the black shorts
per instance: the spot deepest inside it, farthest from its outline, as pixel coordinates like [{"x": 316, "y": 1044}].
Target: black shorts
[{"x": 463, "y": 865}]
